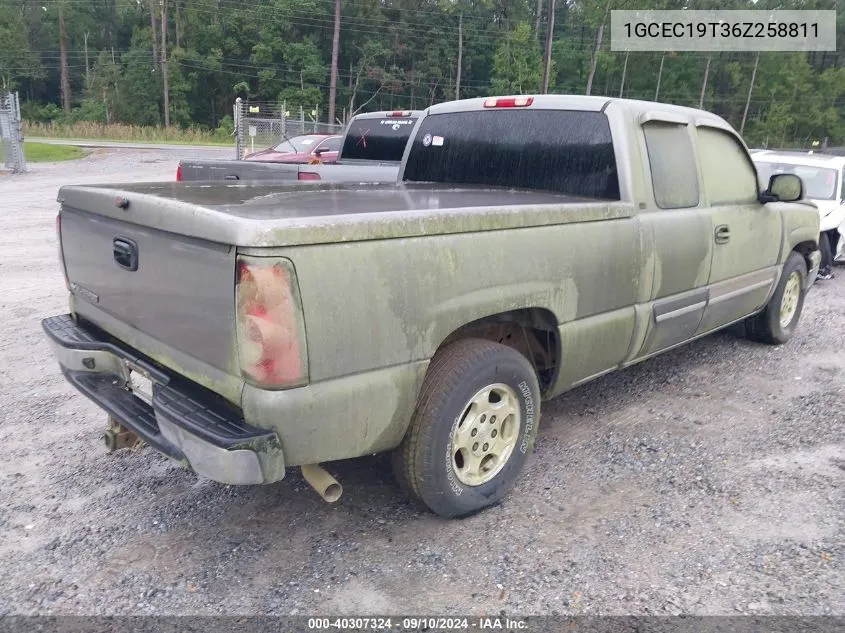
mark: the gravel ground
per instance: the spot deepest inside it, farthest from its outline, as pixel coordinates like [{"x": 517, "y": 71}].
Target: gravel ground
[{"x": 706, "y": 481}]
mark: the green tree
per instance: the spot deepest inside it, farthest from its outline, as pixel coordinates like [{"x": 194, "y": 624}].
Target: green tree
[
  {"x": 17, "y": 60},
  {"x": 518, "y": 63}
]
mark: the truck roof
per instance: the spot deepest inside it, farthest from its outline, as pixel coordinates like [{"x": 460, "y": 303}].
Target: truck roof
[{"x": 581, "y": 102}]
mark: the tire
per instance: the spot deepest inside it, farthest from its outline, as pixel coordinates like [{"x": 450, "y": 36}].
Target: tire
[
  {"x": 767, "y": 327},
  {"x": 454, "y": 476}
]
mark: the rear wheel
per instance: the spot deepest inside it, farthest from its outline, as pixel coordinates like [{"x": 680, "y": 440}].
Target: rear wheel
[
  {"x": 473, "y": 428},
  {"x": 778, "y": 320}
]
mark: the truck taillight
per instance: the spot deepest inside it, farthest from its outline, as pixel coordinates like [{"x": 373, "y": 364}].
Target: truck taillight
[
  {"x": 179, "y": 173},
  {"x": 61, "y": 250},
  {"x": 271, "y": 329},
  {"x": 308, "y": 175},
  {"x": 508, "y": 102}
]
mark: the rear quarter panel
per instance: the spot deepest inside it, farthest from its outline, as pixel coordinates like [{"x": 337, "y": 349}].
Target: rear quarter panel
[
  {"x": 377, "y": 311},
  {"x": 380, "y": 303}
]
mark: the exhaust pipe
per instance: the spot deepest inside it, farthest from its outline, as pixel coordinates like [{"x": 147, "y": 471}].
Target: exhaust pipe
[{"x": 321, "y": 481}]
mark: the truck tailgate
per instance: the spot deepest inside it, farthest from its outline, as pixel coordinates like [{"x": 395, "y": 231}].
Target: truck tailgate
[{"x": 176, "y": 290}]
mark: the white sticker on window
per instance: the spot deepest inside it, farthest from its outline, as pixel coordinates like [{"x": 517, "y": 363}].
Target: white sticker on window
[
  {"x": 437, "y": 141},
  {"x": 427, "y": 140}
]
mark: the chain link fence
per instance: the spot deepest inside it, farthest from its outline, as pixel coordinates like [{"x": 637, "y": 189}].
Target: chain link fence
[
  {"x": 259, "y": 125},
  {"x": 11, "y": 133}
]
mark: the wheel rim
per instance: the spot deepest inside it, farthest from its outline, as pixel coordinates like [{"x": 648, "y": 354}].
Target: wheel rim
[
  {"x": 485, "y": 434},
  {"x": 789, "y": 300}
]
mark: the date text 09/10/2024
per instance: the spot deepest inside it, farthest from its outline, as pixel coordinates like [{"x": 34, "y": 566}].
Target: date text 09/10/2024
[{"x": 430, "y": 624}]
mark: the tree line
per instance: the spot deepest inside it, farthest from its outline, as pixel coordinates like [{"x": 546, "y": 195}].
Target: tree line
[{"x": 183, "y": 62}]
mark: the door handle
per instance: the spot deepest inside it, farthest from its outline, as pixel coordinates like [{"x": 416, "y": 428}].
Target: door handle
[
  {"x": 723, "y": 234},
  {"x": 125, "y": 253}
]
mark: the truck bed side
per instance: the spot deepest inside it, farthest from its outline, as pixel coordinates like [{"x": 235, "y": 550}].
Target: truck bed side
[{"x": 252, "y": 171}]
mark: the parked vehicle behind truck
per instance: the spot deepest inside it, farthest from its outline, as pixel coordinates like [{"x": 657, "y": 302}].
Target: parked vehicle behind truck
[
  {"x": 531, "y": 245},
  {"x": 303, "y": 150},
  {"x": 824, "y": 178},
  {"x": 370, "y": 151}
]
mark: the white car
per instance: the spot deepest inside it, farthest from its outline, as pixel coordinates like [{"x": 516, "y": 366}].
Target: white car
[{"x": 824, "y": 184}]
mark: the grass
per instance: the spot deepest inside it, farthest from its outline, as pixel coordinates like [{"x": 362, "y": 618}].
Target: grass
[
  {"x": 88, "y": 130},
  {"x": 44, "y": 152}
]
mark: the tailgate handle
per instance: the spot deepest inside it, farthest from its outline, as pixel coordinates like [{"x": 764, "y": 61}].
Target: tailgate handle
[
  {"x": 125, "y": 253},
  {"x": 231, "y": 177}
]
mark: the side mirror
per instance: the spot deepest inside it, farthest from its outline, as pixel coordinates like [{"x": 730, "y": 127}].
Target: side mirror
[
  {"x": 320, "y": 151},
  {"x": 783, "y": 188}
]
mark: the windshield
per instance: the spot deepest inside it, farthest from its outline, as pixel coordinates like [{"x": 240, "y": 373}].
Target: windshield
[
  {"x": 566, "y": 151},
  {"x": 381, "y": 139},
  {"x": 819, "y": 182},
  {"x": 298, "y": 144}
]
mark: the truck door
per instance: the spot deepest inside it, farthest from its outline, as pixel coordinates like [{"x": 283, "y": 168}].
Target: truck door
[
  {"x": 680, "y": 228},
  {"x": 746, "y": 235}
]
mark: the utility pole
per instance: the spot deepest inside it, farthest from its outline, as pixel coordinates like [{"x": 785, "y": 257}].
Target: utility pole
[
  {"x": 704, "y": 83},
  {"x": 659, "y": 76},
  {"x": 595, "y": 60},
  {"x": 750, "y": 89},
  {"x": 64, "y": 79},
  {"x": 87, "y": 66},
  {"x": 460, "y": 56},
  {"x": 335, "y": 54},
  {"x": 624, "y": 72},
  {"x": 547, "y": 67},
  {"x": 154, "y": 26},
  {"x": 164, "y": 75}
]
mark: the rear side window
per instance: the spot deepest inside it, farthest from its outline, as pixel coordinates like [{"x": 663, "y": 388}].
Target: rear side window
[
  {"x": 729, "y": 176},
  {"x": 564, "y": 151},
  {"x": 674, "y": 177},
  {"x": 330, "y": 145},
  {"x": 382, "y": 139}
]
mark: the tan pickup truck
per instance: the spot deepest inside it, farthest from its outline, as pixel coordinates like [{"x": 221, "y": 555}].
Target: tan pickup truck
[{"x": 531, "y": 244}]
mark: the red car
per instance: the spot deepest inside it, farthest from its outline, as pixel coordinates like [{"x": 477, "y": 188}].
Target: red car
[{"x": 309, "y": 148}]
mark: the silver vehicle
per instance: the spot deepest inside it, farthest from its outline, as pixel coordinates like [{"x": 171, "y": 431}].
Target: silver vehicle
[{"x": 371, "y": 150}]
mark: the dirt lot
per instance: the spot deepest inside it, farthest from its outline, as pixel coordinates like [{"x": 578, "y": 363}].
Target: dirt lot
[{"x": 707, "y": 481}]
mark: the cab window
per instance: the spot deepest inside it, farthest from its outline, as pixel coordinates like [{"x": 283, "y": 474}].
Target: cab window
[
  {"x": 674, "y": 176},
  {"x": 729, "y": 176}
]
